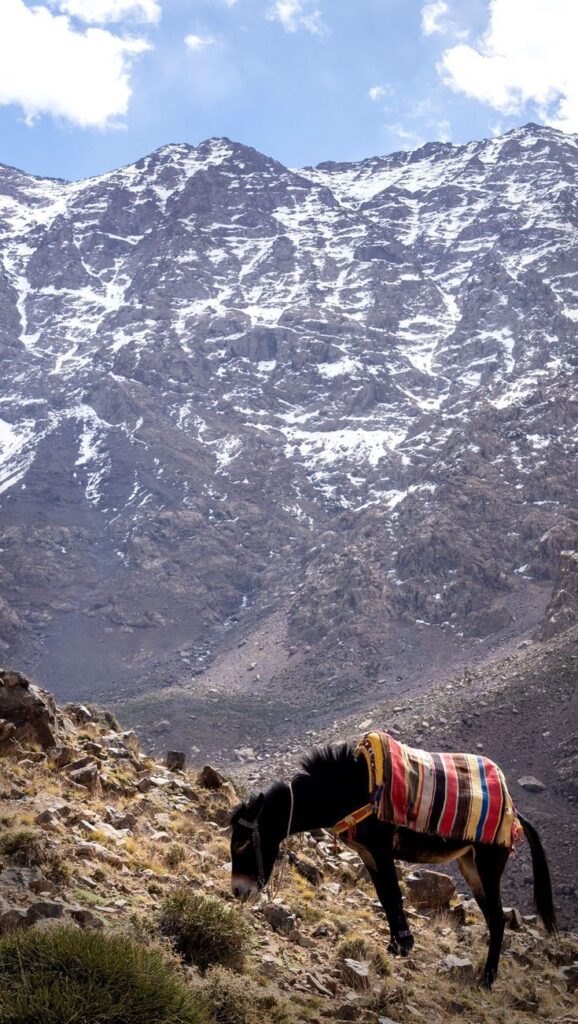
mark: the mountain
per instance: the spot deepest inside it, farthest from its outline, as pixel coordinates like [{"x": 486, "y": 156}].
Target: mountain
[{"x": 327, "y": 414}]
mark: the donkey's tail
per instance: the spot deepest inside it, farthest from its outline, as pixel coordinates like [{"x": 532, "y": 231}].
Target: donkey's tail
[{"x": 542, "y": 882}]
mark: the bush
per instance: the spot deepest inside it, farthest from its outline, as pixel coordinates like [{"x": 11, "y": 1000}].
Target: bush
[
  {"x": 175, "y": 855},
  {"x": 68, "y": 976},
  {"x": 358, "y": 948},
  {"x": 204, "y": 930},
  {"x": 240, "y": 1000},
  {"x": 24, "y": 847}
]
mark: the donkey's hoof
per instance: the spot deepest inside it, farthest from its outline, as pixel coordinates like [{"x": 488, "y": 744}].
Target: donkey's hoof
[
  {"x": 401, "y": 946},
  {"x": 487, "y": 980}
]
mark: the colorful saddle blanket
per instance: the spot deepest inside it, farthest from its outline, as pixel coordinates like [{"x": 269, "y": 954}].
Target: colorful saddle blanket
[{"x": 458, "y": 796}]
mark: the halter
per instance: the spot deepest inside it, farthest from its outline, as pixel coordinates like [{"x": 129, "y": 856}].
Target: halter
[{"x": 253, "y": 827}]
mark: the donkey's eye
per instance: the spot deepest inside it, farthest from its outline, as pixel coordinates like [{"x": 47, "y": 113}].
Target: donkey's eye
[{"x": 239, "y": 847}]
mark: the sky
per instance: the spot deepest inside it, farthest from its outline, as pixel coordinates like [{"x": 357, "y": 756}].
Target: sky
[{"x": 89, "y": 85}]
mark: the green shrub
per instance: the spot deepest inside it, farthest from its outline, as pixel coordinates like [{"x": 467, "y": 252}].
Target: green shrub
[
  {"x": 68, "y": 976},
  {"x": 204, "y": 929},
  {"x": 24, "y": 847},
  {"x": 235, "y": 999}
]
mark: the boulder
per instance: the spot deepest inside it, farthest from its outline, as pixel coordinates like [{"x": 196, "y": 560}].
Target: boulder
[
  {"x": 531, "y": 784},
  {"x": 31, "y": 710},
  {"x": 307, "y": 868},
  {"x": 430, "y": 890},
  {"x": 355, "y": 973},
  {"x": 279, "y": 917},
  {"x": 210, "y": 778},
  {"x": 86, "y": 776},
  {"x": 460, "y": 966},
  {"x": 25, "y": 878},
  {"x": 175, "y": 760}
]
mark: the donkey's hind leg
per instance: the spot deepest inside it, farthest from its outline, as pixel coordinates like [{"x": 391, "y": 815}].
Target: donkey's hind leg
[
  {"x": 467, "y": 866},
  {"x": 491, "y": 860}
]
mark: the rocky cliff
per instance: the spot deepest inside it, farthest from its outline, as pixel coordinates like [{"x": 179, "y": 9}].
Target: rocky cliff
[{"x": 336, "y": 399}]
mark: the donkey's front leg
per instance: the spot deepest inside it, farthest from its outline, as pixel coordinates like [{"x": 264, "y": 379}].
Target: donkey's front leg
[{"x": 386, "y": 884}]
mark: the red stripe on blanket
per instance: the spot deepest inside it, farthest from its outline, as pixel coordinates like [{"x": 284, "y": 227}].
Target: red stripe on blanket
[
  {"x": 398, "y": 782},
  {"x": 449, "y": 812},
  {"x": 496, "y": 802}
]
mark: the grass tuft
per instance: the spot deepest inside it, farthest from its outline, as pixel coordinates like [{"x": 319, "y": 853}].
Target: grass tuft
[
  {"x": 24, "y": 846},
  {"x": 204, "y": 930},
  {"x": 88, "y": 977},
  {"x": 240, "y": 1000}
]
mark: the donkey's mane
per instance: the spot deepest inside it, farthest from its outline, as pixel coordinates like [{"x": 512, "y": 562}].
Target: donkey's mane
[{"x": 328, "y": 760}]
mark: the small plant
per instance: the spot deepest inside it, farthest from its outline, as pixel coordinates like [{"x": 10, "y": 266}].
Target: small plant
[
  {"x": 69, "y": 975},
  {"x": 205, "y": 931},
  {"x": 24, "y": 847},
  {"x": 240, "y": 1000},
  {"x": 358, "y": 948},
  {"x": 175, "y": 855}
]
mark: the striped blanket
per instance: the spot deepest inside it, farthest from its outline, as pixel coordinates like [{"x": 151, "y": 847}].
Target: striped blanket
[{"x": 458, "y": 796}]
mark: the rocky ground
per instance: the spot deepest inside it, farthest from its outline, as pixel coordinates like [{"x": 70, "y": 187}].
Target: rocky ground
[{"x": 95, "y": 832}]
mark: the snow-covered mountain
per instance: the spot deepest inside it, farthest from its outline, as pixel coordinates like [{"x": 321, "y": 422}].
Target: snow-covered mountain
[{"x": 341, "y": 397}]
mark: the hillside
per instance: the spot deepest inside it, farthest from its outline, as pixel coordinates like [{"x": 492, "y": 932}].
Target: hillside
[
  {"x": 331, "y": 409},
  {"x": 96, "y": 834}
]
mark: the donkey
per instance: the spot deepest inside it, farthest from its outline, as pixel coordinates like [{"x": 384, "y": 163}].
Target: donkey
[{"x": 331, "y": 785}]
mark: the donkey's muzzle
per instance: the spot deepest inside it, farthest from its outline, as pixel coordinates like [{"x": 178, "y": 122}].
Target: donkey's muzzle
[{"x": 243, "y": 887}]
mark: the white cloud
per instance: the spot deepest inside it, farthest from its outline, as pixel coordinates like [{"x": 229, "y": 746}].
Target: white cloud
[
  {"x": 526, "y": 56},
  {"x": 379, "y": 92},
  {"x": 47, "y": 67},
  {"x": 430, "y": 18},
  {"x": 100, "y": 12},
  {"x": 196, "y": 43},
  {"x": 296, "y": 14}
]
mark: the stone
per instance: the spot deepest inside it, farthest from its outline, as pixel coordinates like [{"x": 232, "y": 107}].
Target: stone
[
  {"x": 514, "y": 919},
  {"x": 46, "y": 908},
  {"x": 458, "y": 965},
  {"x": 569, "y": 975},
  {"x": 279, "y": 917},
  {"x": 48, "y": 820},
  {"x": 84, "y": 917},
  {"x": 175, "y": 760},
  {"x": 210, "y": 778},
  {"x": 86, "y": 776},
  {"x": 531, "y": 784},
  {"x": 63, "y": 755},
  {"x": 7, "y": 731},
  {"x": 245, "y": 754},
  {"x": 14, "y": 917},
  {"x": 25, "y": 878},
  {"x": 317, "y": 984},
  {"x": 307, "y": 869},
  {"x": 31, "y": 710},
  {"x": 355, "y": 973},
  {"x": 80, "y": 713},
  {"x": 430, "y": 890},
  {"x": 347, "y": 1011}
]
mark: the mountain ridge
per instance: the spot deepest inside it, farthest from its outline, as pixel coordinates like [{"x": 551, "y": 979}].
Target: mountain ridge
[{"x": 230, "y": 394}]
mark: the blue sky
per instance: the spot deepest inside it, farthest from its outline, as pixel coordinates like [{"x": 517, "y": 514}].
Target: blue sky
[{"x": 88, "y": 85}]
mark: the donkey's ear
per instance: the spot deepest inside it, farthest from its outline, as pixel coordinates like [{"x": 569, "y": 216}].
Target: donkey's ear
[{"x": 259, "y": 804}]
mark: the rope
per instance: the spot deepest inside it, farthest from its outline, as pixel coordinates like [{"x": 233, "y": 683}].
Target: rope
[{"x": 279, "y": 873}]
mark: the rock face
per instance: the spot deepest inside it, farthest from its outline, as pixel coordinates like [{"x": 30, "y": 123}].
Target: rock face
[
  {"x": 342, "y": 394},
  {"x": 430, "y": 890},
  {"x": 30, "y": 711}
]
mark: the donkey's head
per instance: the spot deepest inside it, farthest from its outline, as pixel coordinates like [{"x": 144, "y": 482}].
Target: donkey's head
[{"x": 259, "y": 826}]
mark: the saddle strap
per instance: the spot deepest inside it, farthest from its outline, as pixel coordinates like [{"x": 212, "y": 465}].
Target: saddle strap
[{"x": 351, "y": 821}]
